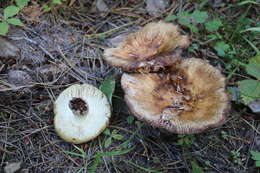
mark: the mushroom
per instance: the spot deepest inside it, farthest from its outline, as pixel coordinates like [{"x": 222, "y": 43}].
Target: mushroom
[
  {"x": 189, "y": 97},
  {"x": 149, "y": 49},
  {"x": 82, "y": 112}
]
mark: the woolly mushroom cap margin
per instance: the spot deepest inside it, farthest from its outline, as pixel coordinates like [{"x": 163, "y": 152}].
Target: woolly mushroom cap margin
[
  {"x": 148, "y": 49},
  {"x": 188, "y": 98}
]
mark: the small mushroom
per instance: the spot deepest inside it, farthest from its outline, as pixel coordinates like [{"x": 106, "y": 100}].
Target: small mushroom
[
  {"x": 82, "y": 112},
  {"x": 149, "y": 49},
  {"x": 190, "y": 97}
]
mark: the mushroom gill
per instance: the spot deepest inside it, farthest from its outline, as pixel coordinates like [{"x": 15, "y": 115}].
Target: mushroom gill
[
  {"x": 149, "y": 49},
  {"x": 187, "y": 98}
]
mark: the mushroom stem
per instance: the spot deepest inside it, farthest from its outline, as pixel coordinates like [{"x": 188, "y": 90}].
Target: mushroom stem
[{"x": 78, "y": 106}]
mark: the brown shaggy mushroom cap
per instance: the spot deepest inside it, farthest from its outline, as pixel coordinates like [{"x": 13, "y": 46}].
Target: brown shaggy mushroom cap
[
  {"x": 145, "y": 50},
  {"x": 189, "y": 98}
]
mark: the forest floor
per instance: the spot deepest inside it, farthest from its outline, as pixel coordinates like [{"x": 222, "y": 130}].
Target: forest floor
[{"x": 64, "y": 45}]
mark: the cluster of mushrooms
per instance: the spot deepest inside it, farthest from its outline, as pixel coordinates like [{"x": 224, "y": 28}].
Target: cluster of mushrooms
[{"x": 181, "y": 95}]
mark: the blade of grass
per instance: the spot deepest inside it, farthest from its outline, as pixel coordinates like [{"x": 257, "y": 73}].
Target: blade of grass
[
  {"x": 142, "y": 168},
  {"x": 252, "y": 45},
  {"x": 72, "y": 153},
  {"x": 256, "y": 29},
  {"x": 98, "y": 157}
]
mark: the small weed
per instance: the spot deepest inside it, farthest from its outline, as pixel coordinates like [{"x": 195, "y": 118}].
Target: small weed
[
  {"x": 107, "y": 86},
  {"x": 186, "y": 140},
  {"x": 250, "y": 88},
  {"x": 236, "y": 157},
  {"x": 81, "y": 153},
  {"x": 47, "y": 8},
  {"x": 130, "y": 119},
  {"x": 112, "y": 135},
  {"x": 189, "y": 19},
  {"x": 196, "y": 168},
  {"x": 9, "y": 13},
  {"x": 256, "y": 157},
  {"x": 224, "y": 135}
]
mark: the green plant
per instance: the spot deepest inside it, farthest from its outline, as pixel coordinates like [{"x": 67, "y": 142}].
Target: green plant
[
  {"x": 97, "y": 158},
  {"x": 224, "y": 135},
  {"x": 186, "y": 140},
  {"x": 250, "y": 88},
  {"x": 111, "y": 135},
  {"x": 8, "y": 16},
  {"x": 82, "y": 154},
  {"x": 222, "y": 48},
  {"x": 130, "y": 119},
  {"x": 236, "y": 157},
  {"x": 196, "y": 168},
  {"x": 107, "y": 86},
  {"x": 189, "y": 19},
  {"x": 48, "y": 6},
  {"x": 256, "y": 157}
]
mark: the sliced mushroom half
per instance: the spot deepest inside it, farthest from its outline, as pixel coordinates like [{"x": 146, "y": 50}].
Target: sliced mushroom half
[
  {"x": 82, "y": 112},
  {"x": 188, "y": 98},
  {"x": 149, "y": 49}
]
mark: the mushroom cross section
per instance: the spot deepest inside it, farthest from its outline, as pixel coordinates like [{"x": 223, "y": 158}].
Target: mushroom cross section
[
  {"x": 148, "y": 49},
  {"x": 82, "y": 112},
  {"x": 187, "y": 98}
]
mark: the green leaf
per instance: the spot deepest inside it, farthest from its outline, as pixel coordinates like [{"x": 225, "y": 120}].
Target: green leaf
[
  {"x": 257, "y": 163},
  {"x": 221, "y": 47},
  {"x": 255, "y": 59},
  {"x": 193, "y": 28},
  {"x": 130, "y": 119},
  {"x": 199, "y": 16},
  {"x": 56, "y": 2},
  {"x": 108, "y": 87},
  {"x": 3, "y": 28},
  {"x": 15, "y": 21},
  {"x": 21, "y": 3},
  {"x": 196, "y": 168},
  {"x": 46, "y": 8},
  {"x": 10, "y": 11},
  {"x": 184, "y": 18},
  {"x": 94, "y": 165},
  {"x": 255, "y": 155},
  {"x": 118, "y": 137},
  {"x": 170, "y": 18},
  {"x": 114, "y": 132},
  {"x": 253, "y": 70},
  {"x": 107, "y": 132},
  {"x": 108, "y": 142},
  {"x": 250, "y": 90},
  {"x": 213, "y": 25}
]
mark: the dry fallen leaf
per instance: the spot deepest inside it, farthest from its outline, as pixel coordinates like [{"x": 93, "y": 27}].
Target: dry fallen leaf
[
  {"x": 18, "y": 77},
  {"x": 156, "y": 7},
  {"x": 7, "y": 49},
  {"x": 33, "y": 11}
]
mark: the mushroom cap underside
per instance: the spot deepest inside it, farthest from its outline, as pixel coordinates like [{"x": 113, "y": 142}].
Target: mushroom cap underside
[
  {"x": 143, "y": 48},
  {"x": 189, "y": 98},
  {"x": 81, "y": 128}
]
